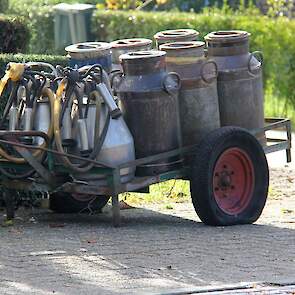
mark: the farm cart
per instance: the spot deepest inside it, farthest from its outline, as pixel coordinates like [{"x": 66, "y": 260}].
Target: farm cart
[{"x": 228, "y": 173}]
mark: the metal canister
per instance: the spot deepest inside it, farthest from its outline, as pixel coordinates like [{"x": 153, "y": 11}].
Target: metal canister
[
  {"x": 128, "y": 45},
  {"x": 90, "y": 53},
  {"x": 240, "y": 87},
  {"x": 149, "y": 102},
  {"x": 198, "y": 99},
  {"x": 117, "y": 148},
  {"x": 178, "y": 35}
]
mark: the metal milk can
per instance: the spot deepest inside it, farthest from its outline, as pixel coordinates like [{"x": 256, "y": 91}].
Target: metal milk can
[
  {"x": 128, "y": 45},
  {"x": 198, "y": 99},
  {"x": 149, "y": 102},
  {"x": 178, "y": 35},
  {"x": 240, "y": 87},
  {"x": 90, "y": 53}
]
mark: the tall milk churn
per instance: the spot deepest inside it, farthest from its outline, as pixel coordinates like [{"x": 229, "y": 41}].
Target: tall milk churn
[
  {"x": 178, "y": 35},
  {"x": 198, "y": 99},
  {"x": 128, "y": 45},
  {"x": 240, "y": 87},
  {"x": 90, "y": 53},
  {"x": 149, "y": 102}
]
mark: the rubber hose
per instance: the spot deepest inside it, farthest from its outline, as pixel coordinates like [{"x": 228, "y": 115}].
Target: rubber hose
[
  {"x": 57, "y": 131},
  {"x": 9, "y": 102},
  {"x": 46, "y": 92},
  {"x": 99, "y": 140}
]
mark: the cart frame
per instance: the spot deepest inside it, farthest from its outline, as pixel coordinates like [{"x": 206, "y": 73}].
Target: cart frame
[{"x": 50, "y": 183}]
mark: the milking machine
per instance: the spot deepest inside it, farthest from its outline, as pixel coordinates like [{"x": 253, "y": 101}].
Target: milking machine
[
  {"x": 63, "y": 133},
  {"x": 27, "y": 115}
]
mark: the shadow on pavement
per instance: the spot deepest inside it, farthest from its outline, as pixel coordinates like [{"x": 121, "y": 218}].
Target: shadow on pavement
[{"x": 151, "y": 253}]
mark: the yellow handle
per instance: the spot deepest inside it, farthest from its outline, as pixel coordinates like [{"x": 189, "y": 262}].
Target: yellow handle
[
  {"x": 14, "y": 73},
  {"x": 61, "y": 88},
  {"x": 3, "y": 82}
]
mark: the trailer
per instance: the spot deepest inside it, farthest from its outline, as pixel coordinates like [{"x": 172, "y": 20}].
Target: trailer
[{"x": 48, "y": 181}]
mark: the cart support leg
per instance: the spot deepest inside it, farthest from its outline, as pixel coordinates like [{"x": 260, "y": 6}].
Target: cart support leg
[
  {"x": 289, "y": 136},
  {"x": 9, "y": 203},
  {"x": 116, "y": 179},
  {"x": 116, "y": 211}
]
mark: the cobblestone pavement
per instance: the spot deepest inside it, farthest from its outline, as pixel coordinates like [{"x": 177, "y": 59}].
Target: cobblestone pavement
[{"x": 155, "y": 251}]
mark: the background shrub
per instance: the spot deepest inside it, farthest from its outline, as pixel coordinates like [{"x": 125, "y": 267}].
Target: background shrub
[
  {"x": 6, "y": 58},
  {"x": 3, "y": 6},
  {"x": 39, "y": 18},
  {"x": 274, "y": 37},
  {"x": 14, "y": 34},
  {"x": 21, "y": 58}
]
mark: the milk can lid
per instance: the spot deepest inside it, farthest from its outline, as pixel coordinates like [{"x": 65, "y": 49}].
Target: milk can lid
[
  {"x": 227, "y": 36},
  {"x": 182, "y": 45},
  {"x": 88, "y": 47},
  {"x": 133, "y": 42},
  {"x": 175, "y": 34},
  {"x": 142, "y": 55}
]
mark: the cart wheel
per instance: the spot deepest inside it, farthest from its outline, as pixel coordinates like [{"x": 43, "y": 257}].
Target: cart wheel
[
  {"x": 229, "y": 180},
  {"x": 74, "y": 203}
]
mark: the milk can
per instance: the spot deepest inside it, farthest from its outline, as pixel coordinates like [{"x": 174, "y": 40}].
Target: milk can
[
  {"x": 128, "y": 45},
  {"x": 198, "y": 99},
  {"x": 240, "y": 87},
  {"x": 90, "y": 53},
  {"x": 178, "y": 35},
  {"x": 149, "y": 102}
]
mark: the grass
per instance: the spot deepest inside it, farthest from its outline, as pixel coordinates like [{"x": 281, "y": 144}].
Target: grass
[
  {"x": 274, "y": 107},
  {"x": 166, "y": 193},
  {"x": 177, "y": 191}
]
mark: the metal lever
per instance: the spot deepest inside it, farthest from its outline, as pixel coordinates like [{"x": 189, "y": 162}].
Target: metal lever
[{"x": 115, "y": 112}]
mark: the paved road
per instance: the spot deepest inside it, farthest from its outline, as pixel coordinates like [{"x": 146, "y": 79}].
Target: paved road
[
  {"x": 278, "y": 159},
  {"x": 155, "y": 251}
]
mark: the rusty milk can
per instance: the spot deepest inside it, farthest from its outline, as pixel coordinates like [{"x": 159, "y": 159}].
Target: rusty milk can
[
  {"x": 149, "y": 102},
  {"x": 128, "y": 45},
  {"x": 90, "y": 53},
  {"x": 178, "y": 35},
  {"x": 198, "y": 99},
  {"x": 240, "y": 87}
]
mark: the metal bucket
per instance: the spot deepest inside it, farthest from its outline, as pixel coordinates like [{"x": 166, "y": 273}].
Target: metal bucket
[
  {"x": 120, "y": 47},
  {"x": 240, "y": 87},
  {"x": 42, "y": 119},
  {"x": 179, "y": 35},
  {"x": 90, "y": 53},
  {"x": 198, "y": 99},
  {"x": 117, "y": 148},
  {"x": 149, "y": 102}
]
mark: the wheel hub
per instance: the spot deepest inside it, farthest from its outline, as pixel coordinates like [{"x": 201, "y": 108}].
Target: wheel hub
[{"x": 233, "y": 181}]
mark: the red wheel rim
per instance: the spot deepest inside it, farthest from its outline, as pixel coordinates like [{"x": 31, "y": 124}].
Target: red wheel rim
[{"x": 233, "y": 181}]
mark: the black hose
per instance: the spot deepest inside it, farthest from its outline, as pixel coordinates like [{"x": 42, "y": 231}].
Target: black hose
[
  {"x": 11, "y": 99},
  {"x": 100, "y": 140}
]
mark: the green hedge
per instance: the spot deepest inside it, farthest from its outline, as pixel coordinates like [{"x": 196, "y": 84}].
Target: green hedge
[
  {"x": 272, "y": 36},
  {"x": 14, "y": 34},
  {"x": 40, "y": 19},
  {"x": 52, "y": 59},
  {"x": 275, "y": 37},
  {"x": 6, "y": 58}
]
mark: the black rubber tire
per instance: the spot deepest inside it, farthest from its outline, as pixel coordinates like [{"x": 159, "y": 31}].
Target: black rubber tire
[
  {"x": 66, "y": 203},
  {"x": 201, "y": 183}
]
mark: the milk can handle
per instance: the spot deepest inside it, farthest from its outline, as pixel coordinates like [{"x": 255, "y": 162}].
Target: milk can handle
[
  {"x": 45, "y": 65},
  {"x": 166, "y": 84},
  {"x": 255, "y": 54},
  {"x": 113, "y": 75},
  {"x": 210, "y": 80}
]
